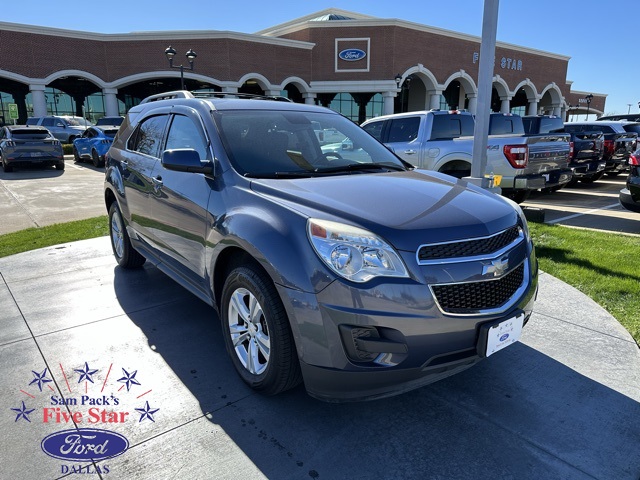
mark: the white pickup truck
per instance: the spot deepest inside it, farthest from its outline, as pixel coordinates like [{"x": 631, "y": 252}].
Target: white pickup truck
[{"x": 443, "y": 141}]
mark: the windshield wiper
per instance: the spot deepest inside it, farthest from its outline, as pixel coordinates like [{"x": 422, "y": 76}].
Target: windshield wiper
[{"x": 354, "y": 167}]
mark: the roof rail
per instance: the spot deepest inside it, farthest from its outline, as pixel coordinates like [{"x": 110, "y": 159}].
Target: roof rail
[
  {"x": 167, "y": 96},
  {"x": 250, "y": 96}
]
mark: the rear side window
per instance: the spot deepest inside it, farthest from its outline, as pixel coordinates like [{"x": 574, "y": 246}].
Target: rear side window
[
  {"x": 634, "y": 127},
  {"x": 404, "y": 129},
  {"x": 551, "y": 125},
  {"x": 47, "y": 122},
  {"x": 32, "y": 121},
  {"x": 148, "y": 136},
  {"x": 603, "y": 128},
  {"x": 451, "y": 126},
  {"x": 374, "y": 129}
]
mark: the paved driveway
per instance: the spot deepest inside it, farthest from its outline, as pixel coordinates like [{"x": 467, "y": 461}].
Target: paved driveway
[
  {"x": 563, "y": 403},
  {"x": 35, "y": 197}
]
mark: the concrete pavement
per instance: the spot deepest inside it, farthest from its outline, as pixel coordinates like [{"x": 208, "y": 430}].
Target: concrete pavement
[{"x": 562, "y": 403}]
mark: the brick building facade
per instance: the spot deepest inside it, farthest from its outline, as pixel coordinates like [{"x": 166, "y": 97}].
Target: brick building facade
[{"x": 360, "y": 65}]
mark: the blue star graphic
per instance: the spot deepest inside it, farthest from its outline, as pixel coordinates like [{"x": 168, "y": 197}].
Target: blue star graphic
[
  {"x": 129, "y": 379},
  {"x": 146, "y": 412},
  {"x": 24, "y": 413},
  {"x": 85, "y": 374},
  {"x": 40, "y": 378}
]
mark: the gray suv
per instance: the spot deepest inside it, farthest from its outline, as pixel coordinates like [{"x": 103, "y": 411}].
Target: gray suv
[
  {"x": 64, "y": 128},
  {"x": 343, "y": 268}
]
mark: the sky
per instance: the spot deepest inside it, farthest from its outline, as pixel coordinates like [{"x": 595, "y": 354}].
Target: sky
[{"x": 600, "y": 37}]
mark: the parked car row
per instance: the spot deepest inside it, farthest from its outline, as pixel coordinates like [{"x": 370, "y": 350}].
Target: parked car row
[{"x": 39, "y": 142}]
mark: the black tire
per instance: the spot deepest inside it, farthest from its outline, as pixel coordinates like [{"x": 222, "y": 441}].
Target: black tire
[
  {"x": 517, "y": 196},
  {"x": 126, "y": 255},
  {"x": 60, "y": 166},
  {"x": 273, "y": 367},
  {"x": 592, "y": 178},
  {"x": 7, "y": 168},
  {"x": 96, "y": 159},
  {"x": 613, "y": 174},
  {"x": 76, "y": 156}
]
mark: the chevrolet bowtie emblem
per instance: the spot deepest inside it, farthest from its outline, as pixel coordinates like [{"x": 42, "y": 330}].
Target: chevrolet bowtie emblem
[{"x": 497, "y": 267}]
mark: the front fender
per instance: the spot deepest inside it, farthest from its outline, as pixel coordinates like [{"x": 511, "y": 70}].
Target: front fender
[{"x": 278, "y": 241}]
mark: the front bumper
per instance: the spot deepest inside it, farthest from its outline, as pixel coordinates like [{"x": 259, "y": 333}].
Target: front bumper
[{"x": 411, "y": 341}]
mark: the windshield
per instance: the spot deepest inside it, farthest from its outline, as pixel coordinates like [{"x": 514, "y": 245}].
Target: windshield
[
  {"x": 270, "y": 143},
  {"x": 77, "y": 122}
]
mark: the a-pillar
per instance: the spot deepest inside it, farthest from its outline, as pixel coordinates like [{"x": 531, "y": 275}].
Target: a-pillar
[
  {"x": 434, "y": 99},
  {"x": 505, "y": 103},
  {"x": 309, "y": 98},
  {"x": 533, "y": 108},
  {"x": 38, "y": 100},
  {"x": 388, "y": 99},
  {"x": 473, "y": 102},
  {"x": 110, "y": 102}
]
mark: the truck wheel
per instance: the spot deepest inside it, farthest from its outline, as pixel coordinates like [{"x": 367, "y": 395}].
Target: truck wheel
[
  {"x": 256, "y": 332},
  {"x": 613, "y": 174},
  {"x": 517, "y": 196},
  {"x": 592, "y": 178},
  {"x": 7, "y": 168},
  {"x": 126, "y": 255}
]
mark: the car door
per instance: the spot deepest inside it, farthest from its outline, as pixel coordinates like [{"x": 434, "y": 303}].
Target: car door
[
  {"x": 137, "y": 163},
  {"x": 402, "y": 138},
  {"x": 83, "y": 144},
  {"x": 179, "y": 201}
]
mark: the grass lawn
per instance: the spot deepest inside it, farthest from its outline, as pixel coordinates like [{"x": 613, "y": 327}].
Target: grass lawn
[
  {"x": 33, "y": 238},
  {"x": 604, "y": 266}
]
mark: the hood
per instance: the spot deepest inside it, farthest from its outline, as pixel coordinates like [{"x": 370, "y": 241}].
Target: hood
[{"x": 407, "y": 209}]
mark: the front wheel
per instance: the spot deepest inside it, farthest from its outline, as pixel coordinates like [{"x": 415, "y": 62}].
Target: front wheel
[
  {"x": 256, "y": 332},
  {"x": 126, "y": 255}
]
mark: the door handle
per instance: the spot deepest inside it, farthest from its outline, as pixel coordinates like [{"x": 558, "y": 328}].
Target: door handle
[
  {"x": 124, "y": 164},
  {"x": 409, "y": 152},
  {"x": 157, "y": 183}
]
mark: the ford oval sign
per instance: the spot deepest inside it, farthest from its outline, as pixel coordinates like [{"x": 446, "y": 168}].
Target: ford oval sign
[
  {"x": 84, "y": 444},
  {"x": 504, "y": 337},
  {"x": 352, "y": 54}
]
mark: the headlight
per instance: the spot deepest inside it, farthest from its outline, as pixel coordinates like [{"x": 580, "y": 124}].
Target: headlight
[{"x": 353, "y": 253}]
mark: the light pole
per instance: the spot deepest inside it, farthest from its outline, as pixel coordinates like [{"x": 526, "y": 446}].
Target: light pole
[
  {"x": 191, "y": 55},
  {"x": 628, "y": 109},
  {"x": 588, "y": 98}
]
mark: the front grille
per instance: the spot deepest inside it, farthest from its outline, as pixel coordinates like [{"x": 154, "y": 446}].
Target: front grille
[
  {"x": 469, "y": 298},
  {"x": 468, "y": 248}
]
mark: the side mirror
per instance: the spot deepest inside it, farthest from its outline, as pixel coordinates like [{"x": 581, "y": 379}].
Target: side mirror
[
  {"x": 185, "y": 160},
  {"x": 347, "y": 145}
]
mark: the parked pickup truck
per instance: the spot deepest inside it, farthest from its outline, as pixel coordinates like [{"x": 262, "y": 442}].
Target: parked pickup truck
[
  {"x": 586, "y": 160},
  {"x": 443, "y": 141},
  {"x": 618, "y": 143}
]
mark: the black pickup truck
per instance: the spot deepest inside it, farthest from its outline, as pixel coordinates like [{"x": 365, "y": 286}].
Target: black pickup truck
[
  {"x": 587, "y": 147},
  {"x": 618, "y": 143}
]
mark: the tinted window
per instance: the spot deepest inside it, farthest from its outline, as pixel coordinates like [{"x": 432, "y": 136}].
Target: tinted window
[
  {"x": 148, "y": 136},
  {"x": 374, "y": 129},
  {"x": 551, "y": 125},
  {"x": 451, "y": 126},
  {"x": 32, "y": 121},
  {"x": 47, "y": 122},
  {"x": 505, "y": 125},
  {"x": 183, "y": 133},
  {"x": 404, "y": 129},
  {"x": 633, "y": 127}
]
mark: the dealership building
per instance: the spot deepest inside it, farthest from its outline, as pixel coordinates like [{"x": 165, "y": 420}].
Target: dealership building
[{"x": 359, "y": 65}]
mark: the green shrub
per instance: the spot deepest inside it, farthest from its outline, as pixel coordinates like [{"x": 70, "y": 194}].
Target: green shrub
[{"x": 67, "y": 148}]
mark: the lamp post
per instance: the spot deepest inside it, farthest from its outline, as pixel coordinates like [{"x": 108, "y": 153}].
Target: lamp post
[
  {"x": 191, "y": 55},
  {"x": 588, "y": 98},
  {"x": 628, "y": 109}
]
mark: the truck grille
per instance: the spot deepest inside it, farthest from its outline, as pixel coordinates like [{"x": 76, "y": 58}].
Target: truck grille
[
  {"x": 468, "y": 248},
  {"x": 470, "y": 298}
]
